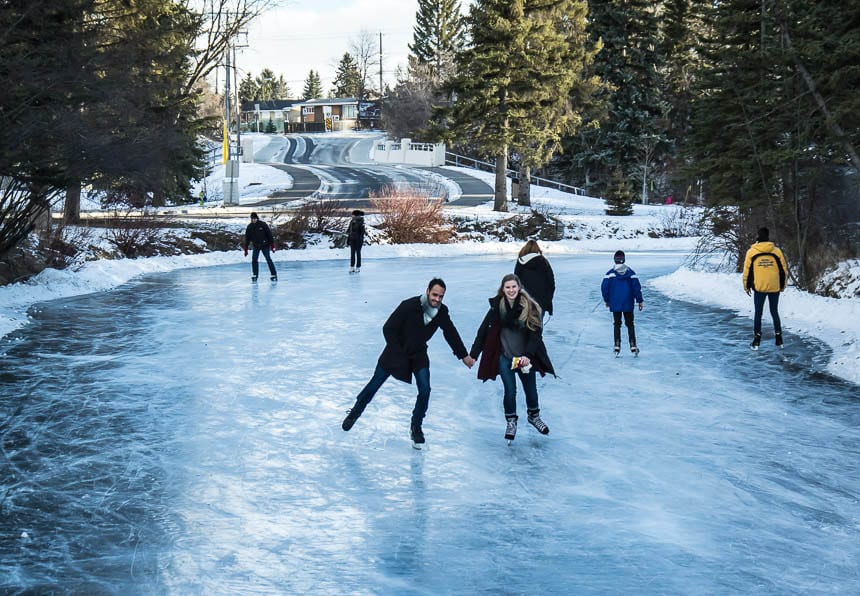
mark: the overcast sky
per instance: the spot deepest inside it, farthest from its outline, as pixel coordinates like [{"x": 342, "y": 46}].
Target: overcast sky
[{"x": 314, "y": 34}]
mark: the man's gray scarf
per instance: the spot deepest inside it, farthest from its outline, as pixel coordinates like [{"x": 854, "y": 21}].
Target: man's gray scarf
[{"x": 429, "y": 311}]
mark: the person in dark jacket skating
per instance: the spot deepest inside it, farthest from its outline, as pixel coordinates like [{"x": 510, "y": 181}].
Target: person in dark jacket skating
[
  {"x": 355, "y": 240},
  {"x": 510, "y": 344},
  {"x": 620, "y": 287},
  {"x": 259, "y": 235},
  {"x": 407, "y": 331},
  {"x": 536, "y": 275}
]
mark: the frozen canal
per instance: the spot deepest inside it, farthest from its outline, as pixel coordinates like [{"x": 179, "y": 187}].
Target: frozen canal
[{"x": 181, "y": 435}]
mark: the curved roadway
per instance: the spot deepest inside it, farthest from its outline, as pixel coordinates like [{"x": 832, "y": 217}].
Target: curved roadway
[{"x": 330, "y": 166}]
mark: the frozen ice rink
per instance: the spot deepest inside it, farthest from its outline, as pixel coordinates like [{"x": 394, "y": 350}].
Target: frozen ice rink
[{"x": 181, "y": 435}]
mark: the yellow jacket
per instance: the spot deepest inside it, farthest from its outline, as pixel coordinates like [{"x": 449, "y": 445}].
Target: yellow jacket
[{"x": 765, "y": 269}]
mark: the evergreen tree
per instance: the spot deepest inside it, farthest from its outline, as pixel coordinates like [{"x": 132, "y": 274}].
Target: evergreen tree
[
  {"x": 438, "y": 35},
  {"x": 267, "y": 85},
  {"x": 248, "y": 89},
  {"x": 347, "y": 79},
  {"x": 313, "y": 86},
  {"x": 619, "y": 194},
  {"x": 633, "y": 134}
]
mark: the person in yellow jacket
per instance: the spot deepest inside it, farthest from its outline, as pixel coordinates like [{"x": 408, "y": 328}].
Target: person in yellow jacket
[{"x": 765, "y": 274}]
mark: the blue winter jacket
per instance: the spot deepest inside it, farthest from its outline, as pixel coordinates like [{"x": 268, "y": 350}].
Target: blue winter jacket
[{"x": 620, "y": 287}]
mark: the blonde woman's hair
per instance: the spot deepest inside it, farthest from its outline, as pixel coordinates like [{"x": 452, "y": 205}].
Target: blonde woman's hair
[
  {"x": 529, "y": 247},
  {"x": 531, "y": 315}
]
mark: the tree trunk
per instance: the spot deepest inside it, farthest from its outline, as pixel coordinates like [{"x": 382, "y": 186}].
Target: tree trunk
[
  {"x": 525, "y": 196},
  {"x": 501, "y": 198},
  {"x": 72, "y": 206}
]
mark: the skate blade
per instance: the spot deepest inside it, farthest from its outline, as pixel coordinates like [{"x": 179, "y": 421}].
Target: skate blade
[
  {"x": 509, "y": 441},
  {"x": 418, "y": 446}
]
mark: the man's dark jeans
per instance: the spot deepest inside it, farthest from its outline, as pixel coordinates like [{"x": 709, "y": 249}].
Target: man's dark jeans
[
  {"x": 255, "y": 257},
  {"x": 380, "y": 375},
  {"x": 773, "y": 302}
]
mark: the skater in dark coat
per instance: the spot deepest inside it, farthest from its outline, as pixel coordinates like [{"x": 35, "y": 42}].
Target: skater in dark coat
[
  {"x": 407, "y": 331},
  {"x": 260, "y": 237},
  {"x": 355, "y": 240},
  {"x": 510, "y": 338},
  {"x": 536, "y": 275},
  {"x": 620, "y": 287}
]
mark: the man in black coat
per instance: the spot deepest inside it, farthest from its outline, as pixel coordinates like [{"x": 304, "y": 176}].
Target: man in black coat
[
  {"x": 259, "y": 235},
  {"x": 407, "y": 331}
]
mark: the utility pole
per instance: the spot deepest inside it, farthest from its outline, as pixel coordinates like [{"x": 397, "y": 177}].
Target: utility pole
[
  {"x": 380, "y": 78},
  {"x": 231, "y": 165}
]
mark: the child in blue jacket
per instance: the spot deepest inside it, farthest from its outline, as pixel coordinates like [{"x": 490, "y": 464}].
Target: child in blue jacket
[{"x": 620, "y": 287}]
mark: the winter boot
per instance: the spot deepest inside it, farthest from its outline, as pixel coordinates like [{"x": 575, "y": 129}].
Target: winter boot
[
  {"x": 779, "y": 340},
  {"x": 417, "y": 436},
  {"x": 351, "y": 416},
  {"x": 535, "y": 421},
  {"x": 756, "y": 342},
  {"x": 510, "y": 428}
]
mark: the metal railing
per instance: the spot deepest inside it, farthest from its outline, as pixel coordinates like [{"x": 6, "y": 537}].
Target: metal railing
[{"x": 476, "y": 164}]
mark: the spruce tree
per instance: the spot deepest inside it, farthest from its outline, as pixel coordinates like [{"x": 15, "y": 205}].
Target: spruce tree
[
  {"x": 313, "y": 86},
  {"x": 347, "y": 79},
  {"x": 438, "y": 35},
  {"x": 619, "y": 194},
  {"x": 248, "y": 89}
]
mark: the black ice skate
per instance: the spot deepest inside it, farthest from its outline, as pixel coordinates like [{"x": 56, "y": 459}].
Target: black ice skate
[
  {"x": 756, "y": 342},
  {"x": 274, "y": 278},
  {"x": 510, "y": 429},
  {"x": 253, "y": 279},
  {"x": 351, "y": 417},
  {"x": 539, "y": 424},
  {"x": 634, "y": 350},
  {"x": 617, "y": 350},
  {"x": 417, "y": 436},
  {"x": 779, "y": 341}
]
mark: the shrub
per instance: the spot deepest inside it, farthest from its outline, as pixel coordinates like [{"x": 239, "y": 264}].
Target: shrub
[
  {"x": 134, "y": 236},
  {"x": 411, "y": 217}
]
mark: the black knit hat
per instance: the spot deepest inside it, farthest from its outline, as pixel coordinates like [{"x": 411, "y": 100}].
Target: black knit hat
[
  {"x": 358, "y": 212},
  {"x": 619, "y": 256},
  {"x": 763, "y": 235},
  {"x": 254, "y": 215}
]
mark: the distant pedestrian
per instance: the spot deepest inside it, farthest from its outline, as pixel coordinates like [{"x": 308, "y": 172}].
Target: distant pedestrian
[
  {"x": 407, "y": 331},
  {"x": 510, "y": 338},
  {"x": 202, "y": 196},
  {"x": 620, "y": 287},
  {"x": 258, "y": 235},
  {"x": 765, "y": 275},
  {"x": 355, "y": 240},
  {"x": 536, "y": 275}
]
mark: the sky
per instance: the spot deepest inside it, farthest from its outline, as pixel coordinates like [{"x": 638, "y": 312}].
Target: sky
[{"x": 302, "y": 35}]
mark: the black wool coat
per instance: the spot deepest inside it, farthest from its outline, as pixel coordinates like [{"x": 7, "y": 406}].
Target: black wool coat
[
  {"x": 488, "y": 345},
  {"x": 258, "y": 234},
  {"x": 406, "y": 338},
  {"x": 538, "y": 280},
  {"x": 355, "y": 232}
]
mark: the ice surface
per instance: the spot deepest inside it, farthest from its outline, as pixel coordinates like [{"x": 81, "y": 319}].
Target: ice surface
[{"x": 181, "y": 435}]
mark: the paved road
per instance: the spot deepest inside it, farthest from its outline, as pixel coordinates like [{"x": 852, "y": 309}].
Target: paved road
[{"x": 339, "y": 167}]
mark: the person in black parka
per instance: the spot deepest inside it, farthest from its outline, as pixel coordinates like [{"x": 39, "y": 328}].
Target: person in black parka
[
  {"x": 536, "y": 275},
  {"x": 259, "y": 235},
  {"x": 355, "y": 240},
  {"x": 510, "y": 344},
  {"x": 407, "y": 331}
]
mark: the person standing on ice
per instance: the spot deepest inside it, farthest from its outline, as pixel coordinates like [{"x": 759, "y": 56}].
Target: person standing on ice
[
  {"x": 355, "y": 240},
  {"x": 765, "y": 273},
  {"x": 259, "y": 235},
  {"x": 406, "y": 332},
  {"x": 535, "y": 273},
  {"x": 620, "y": 287},
  {"x": 510, "y": 344}
]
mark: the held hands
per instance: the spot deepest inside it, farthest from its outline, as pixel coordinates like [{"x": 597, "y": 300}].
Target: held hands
[{"x": 469, "y": 361}]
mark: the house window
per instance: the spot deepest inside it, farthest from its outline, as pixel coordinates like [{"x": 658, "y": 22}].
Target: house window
[
  {"x": 307, "y": 110},
  {"x": 350, "y": 112}
]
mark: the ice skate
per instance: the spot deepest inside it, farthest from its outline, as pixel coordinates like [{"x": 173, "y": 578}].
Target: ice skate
[
  {"x": 352, "y": 269},
  {"x": 756, "y": 342},
  {"x": 510, "y": 429},
  {"x": 778, "y": 340},
  {"x": 274, "y": 278},
  {"x": 539, "y": 424},
  {"x": 253, "y": 279},
  {"x": 351, "y": 416},
  {"x": 634, "y": 350},
  {"x": 417, "y": 437},
  {"x": 358, "y": 269},
  {"x": 617, "y": 350}
]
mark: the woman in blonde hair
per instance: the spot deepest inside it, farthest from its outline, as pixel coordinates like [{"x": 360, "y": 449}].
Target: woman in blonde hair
[
  {"x": 536, "y": 275},
  {"x": 510, "y": 338}
]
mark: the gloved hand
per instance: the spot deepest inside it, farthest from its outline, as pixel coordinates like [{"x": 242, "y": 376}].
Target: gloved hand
[
  {"x": 245, "y": 248},
  {"x": 272, "y": 247}
]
